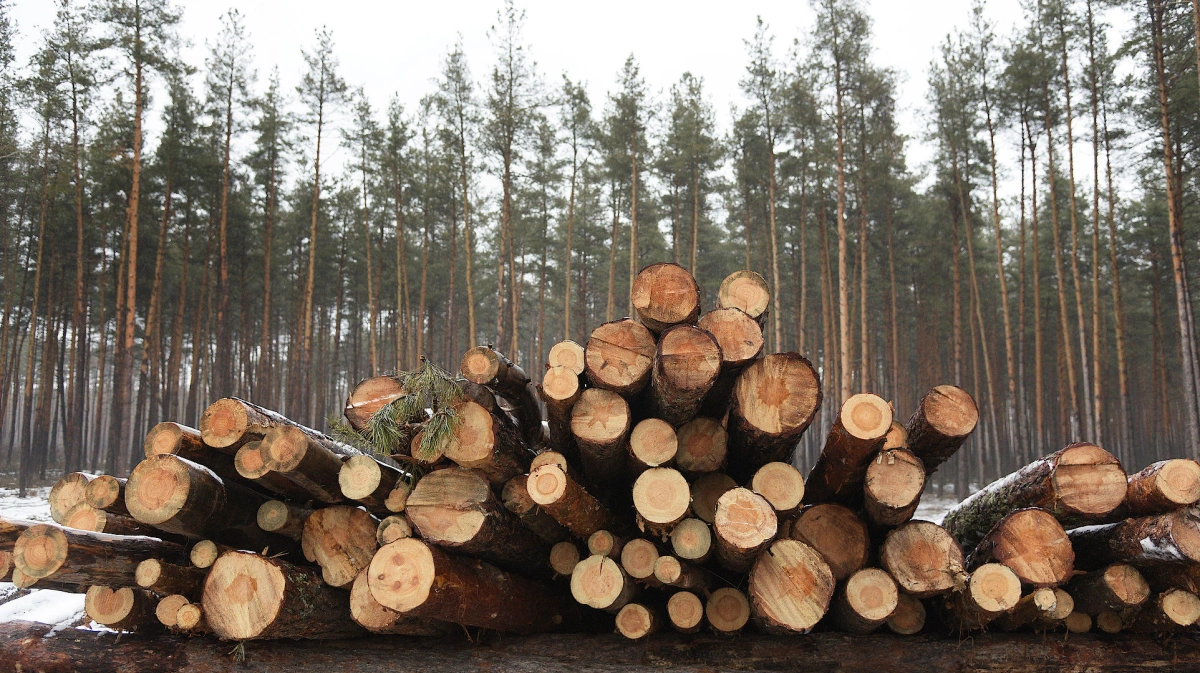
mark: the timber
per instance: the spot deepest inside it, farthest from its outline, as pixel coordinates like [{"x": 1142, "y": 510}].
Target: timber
[
  {"x": 619, "y": 356},
  {"x": 250, "y": 463},
  {"x": 485, "y": 442},
  {"x": 180, "y": 440},
  {"x": 286, "y": 519},
  {"x": 924, "y": 560},
  {"x": 604, "y": 543},
  {"x": 1033, "y": 544},
  {"x": 653, "y": 443},
  {"x": 706, "y": 490},
  {"x": 560, "y": 390},
  {"x": 376, "y": 618},
  {"x": 601, "y": 423},
  {"x": 310, "y": 464},
  {"x": 943, "y": 421},
  {"x": 857, "y": 435},
  {"x": 488, "y": 367},
  {"x": 600, "y": 582},
  {"x": 790, "y": 587},
  {"x": 747, "y": 291},
  {"x": 685, "y": 612},
  {"x": 909, "y": 616},
  {"x": 68, "y": 492},
  {"x": 865, "y": 601},
  {"x": 369, "y": 481},
  {"x": 837, "y": 534},
  {"x": 727, "y": 610},
  {"x": 892, "y": 487},
  {"x": 392, "y": 528},
  {"x": 661, "y": 497},
  {"x": 744, "y": 525},
  {"x": 85, "y": 517},
  {"x": 167, "y": 610},
  {"x": 691, "y": 540},
  {"x": 639, "y": 558},
  {"x": 69, "y": 556},
  {"x": 569, "y": 504},
  {"x": 567, "y": 354},
  {"x": 1117, "y": 588},
  {"x": 106, "y": 492},
  {"x": 517, "y": 500},
  {"x": 340, "y": 539},
  {"x": 774, "y": 401},
  {"x": 781, "y": 485},
  {"x": 665, "y": 295},
  {"x": 686, "y": 365},
  {"x": 563, "y": 558},
  {"x": 165, "y": 578},
  {"x": 636, "y": 621},
  {"x": 1163, "y": 487},
  {"x": 369, "y": 396},
  {"x": 702, "y": 446},
  {"x": 1160, "y": 538},
  {"x": 993, "y": 590},
  {"x": 122, "y": 608},
  {"x": 741, "y": 341}
]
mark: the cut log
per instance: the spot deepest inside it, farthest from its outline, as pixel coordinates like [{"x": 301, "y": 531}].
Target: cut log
[
  {"x": 185, "y": 442},
  {"x": 392, "y": 528},
  {"x": 600, "y": 423},
  {"x": 374, "y": 617},
  {"x": 106, "y": 492},
  {"x": 340, "y": 539},
  {"x": 1162, "y": 487},
  {"x": 636, "y": 621},
  {"x": 1034, "y": 607},
  {"x": 563, "y": 558},
  {"x": 600, "y": 582},
  {"x": 490, "y": 368},
  {"x": 923, "y": 559},
  {"x": 1033, "y": 544},
  {"x": 837, "y": 534},
  {"x": 944, "y": 419},
  {"x": 230, "y": 422},
  {"x": 455, "y": 508},
  {"x": 310, "y": 464},
  {"x": 1079, "y": 484},
  {"x": 11, "y": 529},
  {"x": 85, "y": 517},
  {"x": 897, "y": 437},
  {"x": 691, "y": 540},
  {"x": 702, "y": 444},
  {"x": 398, "y": 498},
  {"x": 619, "y": 356},
  {"x": 774, "y": 401},
  {"x": 6, "y": 566},
  {"x": 727, "y": 611},
  {"x": 167, "y": 610},
  {"x": 748, "y": 291},
  {"x": 673, "y": 572},
  {"x": 741, "y": 341},
  {"x": 567, "y": 354},
  {"x": 661, "y": 497},
  {"x": 205, "y": 553},
  {"x": 706, "y": 491},
  {"x": 781, "y": 485},
  {"x": 70, "y": 556},
  {"x": 685, "y": 368},
  {"x": 68, "y": 492},
  {"x": 664, "y": 295},
  {"x": 517, "y": 500},
  {"x": 250, "y": 462},
  {"x": 1078, "y": 622},
  {"x": 855, "y": 438},
  {"x": 685, "y": 611},
  {"x": 368, "y": 481},
  {"x": 790, "y": 587},
  {"x": 1160, "y": 538},
  {"x": 1171, "y": 610},
  {"x": 1064, "y": 606},
  {"x": 484, "y": 442},
  {"x": 1163, "y": 576},
  {"x": 165, "y": 578},
  {"x": 569, "y": 503},
  {"x": 909, "y": 616},
  {"x": 993, "y": 590},
  {"x": 605, "y": 543},
  {"x": 560, "y": 390},
  {"x": 653, "y": 443},
  {"x": 283, "y": 518},
  {"x": 638, "y": 557},
  {"x": 122, "y": 608},
  {"x": 1110, "y": 622},
  {"x": 249, "y": 597},
  {"x": 369, "y": 396},
  {"x": 190, "y": 619},
  {"x": 1118, "y": 588},
  {"x": 744, "y": 525},
  {"x": 892, "y": 487},
  {"x": 865, "y": 601}
]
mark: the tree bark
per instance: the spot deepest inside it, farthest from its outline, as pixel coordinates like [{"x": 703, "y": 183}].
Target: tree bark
[
  {"x": 864, "y": 601},
  {"x": 576, "y": 509},
  {"x": 685, "y": 368},
  {"x": 665, "y": 295},
  {"x": 857, "y": 434},
  {"x": 1163, "y": 487},
  {"x": 942, "y": 423},
  {"x": 600, "y": 422},
  {"x": 69, "y": 556},
  {"x": 741, "y": 342},
  {"x": 1118, "y": 588},
  {"x": 1173, "y": 537},
  {"x": 774, "y": 401},
  {"x": 892, "y": 487}
]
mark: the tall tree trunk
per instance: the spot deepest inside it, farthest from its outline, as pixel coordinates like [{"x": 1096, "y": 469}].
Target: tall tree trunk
[
  {"x": 403, "y": 331},
  {"x": 27, "y": 435},
  {"x": 1097, "y": 378},
  {"x": 611, "y": 307},
  {"x": 1038, "y": 378},
  {"x": 1126, "y": 423},
  {"x": 864, "y": 337},
  {"x": 633, "y": 221},
  {"x": 171, "y": 402},
  {"x": 843, "y": 278},
  {"x": 777, "y": 321},
  {"x": 696, "y": 217},
  {"x": 300, "y": 391},
  {"x": 570, "y": 235},
  {"x": 73, "y": 447},
  {"x": 223, "y": 378},
  {"x": 372, "y": 307},
  {"x": 264, "y": 389},
  {"x": 152, "y": 336}
]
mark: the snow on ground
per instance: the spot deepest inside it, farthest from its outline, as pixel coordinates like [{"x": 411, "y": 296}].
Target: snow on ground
[
  {"x": 934, "y": 509},
  {"x": 35, "y": 506}
]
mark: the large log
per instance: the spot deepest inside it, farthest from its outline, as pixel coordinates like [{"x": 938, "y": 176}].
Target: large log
[
  {"x": 164, "y": 578},
  {"x": 1148, "y": 540},
  {"x": 340, "y": 539},
  {"x": 69, "y": 556},
  {"x": 249, "y": 597},
  {"x": 1170, "y": 611},
  {"x": 837, "y": 534},
  {"x": 376, "y": 618},
  {"x": 122, "y": 608},
  {"x": 600, "y": 582},
  {"x": 993, "y": 590},
  {"x": 560, "y": 390},
  {"x": 455, "y": 508},
  {"x": 369, "y": 396},
  {"x": 11, "y": 529},
  {"x": 748, "y": 291},
  {"x": 420, "y": 580},
  {"x": 568, "y": 502},
  {"x": 774, "y": 401},
  {"x": 855, "y": 438},
  {"x": 488, "y": 367},
  {"x": 1032, "y": 543},
  {"x": 744, "y": 525},
  {"x": 307, "y": 462},
  {"x": 485, "y": 442},
  {"x": 781, "y": 485},
  {"x": 230, "y": 422},
  {"x": 68, "y": 492},
  {"x": 1118, "y": 588},
  {"x": 661, "y": 497},
  {"x": 600, "y": 422},
  {"x": 85, "y": 517},
  {"x": 685, "y": 367},
  {"x": 664, "y": 295},
  {"x": 944, "y": 419},
  {"x": 250, "y": 462},
  {"x": 619, "y": 356},
  {"x": 653, "y": 443},
  {"x": 106, "y": 492},
  {"x": 369, "y": 481},
  {"x": 865, "y": 601},
  {"x": 790, "y": 587},
  {"x": 892, "y": 487},
  {"x": 741, "y": 341},
  {"x": 517, "y": 500},
  {"x": 1079, "y": 484},
  {"x": 924, "y": 560},
  {"x": 1162, "y": 487}
]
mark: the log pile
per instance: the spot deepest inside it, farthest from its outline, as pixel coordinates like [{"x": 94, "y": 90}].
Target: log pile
[{"x": 645, "y": 484}]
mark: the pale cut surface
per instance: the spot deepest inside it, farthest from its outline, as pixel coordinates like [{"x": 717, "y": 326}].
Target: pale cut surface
[
  {"x": 1181, "y": 607},
  {"x": 951, "y": 411},
  {"x": 547, "y": 484},
  {"x": 1078, "y": 622},
  {"x": 661, "y": 495},
  {"x": 479, "y": 364},
  {"x": 245, "y": 594},
  {"x": 744, "y": 519},
  {"x": 341, "y": 540},
  {"x": 691, "y": 539},
  {"x": 638, "y": 558},
  {"x": 688, "y": 357},
  {"x": 401, "y": 574},
  {"x": 897, "y": 436},
  {"x": 739, "y": 337},
  {"x": 1034, "y": 545},
  {"x": 40, "y": 551},
  {"x": 922, "y": 558},
  {"x": 369, "y": 396},
  {"x": 781, "y": 484},
  {"x": 204, "y": 554},
  {"x": 727, "y": 610},
  {"x": 1089, "y": 479},
  {"x": 872, "y": 593},
  {"x": 102, "y": 491},
  {"x": 167, "y": 610},
  {"x": 654, "y": 442},
  {"x": 1064, "y": 605},
  {"x": 1129, "y": 586},
  {"x": 895, "y": 478},
  {"x": 567, "y": 354},
  {"x": 1179, "y": 481},
  {"x": 106, "y": 605},
  {"x": 474, "y": 439},
  {"x": 745, "y": 290},
  {"x": 85, "y": 517},
  {"x": 909, "y": 616},
  {"x": 706, "y": 491},
  {"x": 597, "y": 582},
  {"x": 866, "y": 416},
  {"x": 549, "y": 458},
  {"x": 563, "y": 557},
  {"x": 249, "y": 462},
  {"x": 791, "y": 585},
  {"x": 995, "y": 588},
  {"x": 701, "y": 445},
  {"x": 836, "y": 533},
  {"x": 777, "y": 394},
  {"x": 368, "y": 612},
  {"x": 560, "y": 383},
  {"x": 634, "y": 621},
  {"x": 188, "y": 616},
  {"x": 157, "y": 489},
  {"x": 223, "y": 423},
  {"x": 619, "y": 353},
  {"x": 359, "y": 477},
  {"x": 600, "y": 416},
  {"x": 163, "y": 438},
  {"x": 666, "y": 293},
  {"x": 685, "y": 609}
]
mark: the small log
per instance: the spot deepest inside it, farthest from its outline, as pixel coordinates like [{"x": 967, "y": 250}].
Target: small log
[
  {"x": 250, "y": 462},
  {"x": 11, "y": 529},
  {"x": 484, "y": 442},
  {"x": 944, "y": 419},
  {"x": 283, "y": 518},
  {"x": 205, "y": 553},
  {"x": 551, "y": 458},
  {"x": 661, "y": 497},
  {"x": 909, "y": 616},
  {"x": 727, "y": 611},
  {"x": 619, "y": 356},
  {"x": 1064, "y": 606},
  {"x": 673, "y": 572},
  {"x": 488, "y": 367},
  {"x": 167, "y": 610},
  {"x": 702, "y": 444},
  {"x": 1078, "y": 622},
  {"x": 837, "y": 534},
  {"x": 706, "y": 491},
  {"x": 691, "y": 540},
  {"x": 790, "y": 587},
  {"x": 1169, "y": 611},
  {"x": 865, "y": 601},
  {"x": 741, "y": 341},
  {"x": 6, "y": 566},
  {"x": 892, "y": 487},
  {"x": 774, "y": 401},
  {"x": 1117, "y": 588},
  {"x": 1033, "y": 544},
  {"x": 685, "y": 368},
  {"x": 781, "y": 485},
  {"x": 992, "y": 590},
  {"x": 1079, "y": 484},
  {"x": 685, "y": 611},
  {"x": 369, "y": 396},
  {"x": 455, "y": 508},
  {"x": 418, "y": 579},
  {"x": 190, "y": 619},
  {"x": 560, "y": 390},
  {"x": 376, "y": 618},
  {"x": 106, "y": 492},
  {"x": 122, "y": 608},
  {"x": 637, "y": 558},
  {"x": 1110, "y": 622},
  {"x": 897, "y": 437},
  {"x": 85, "y": 517},
  {"x": 569, "y": 503},
  {"x": 567, "y": 354},
  {"x": 340, "y": 539},
  {"x": 653, "y": 443},
  {"x": 69, "y": 556},
  {"x": 748, "y": 291},
  {"x": 1160, "y": 538},
  {"x": 1033, "y": 607},
  {"x": 1172, "y": 575},
  {"x": 68, "y": 492},
  {"x": 664, "y": 295},
  {"x": 744, "y": 525},
  {"x": 180, "y": 440},
  {"x": 600, "y": 582},
  {"x": 517, "y": 500},
  {"x": 605, "y": 543},
  {"x": 923, "y": 559},
  {"x": 230, "y": 422},
  {"x": 368, "y": 481},
  {"x": 600, "y": 423},
  {"x": 1162, "y": 487},
  {"x": 392, "y": 528},
  {"x": 398, "y": 498},
  {"x": 856, "y": 436},
  {"x": 307, "y": 463},
  {"x": 165, "y": 578},
  {"x": 564, "y": 556},
  {"x": 635, "y": 621},
  {"x": 250, "y": 597}
]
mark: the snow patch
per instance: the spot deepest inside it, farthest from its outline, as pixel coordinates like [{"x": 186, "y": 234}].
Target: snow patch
[
  {"x": 934, "y": 509},
  {"x": 35, "y": 506},
  {"x": 60, "y": 610}
]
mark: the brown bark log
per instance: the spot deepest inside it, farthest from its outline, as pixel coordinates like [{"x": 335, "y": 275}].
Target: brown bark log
[
  {"x": 865, "y": 601},
  {"x": 85, "y": 517},
  {"x": 702, "y": 446},
  {"x": 485, "y": 442},
  {"x": 1162, "y": 487},
  {"x": 563, "y": 558},
  {"x": 664, "y": 295},
  {"x": 892, "y": 487},
  {"x": 392, "y": 528},
  {"x": 790, "y": 587},
  {"x": 68, "y": 492},
  {"x": 122, "y": 609},
  {"x": 517, "y": 500},
  {"x": 310, "y": 464},
  {"x": 560, "y": 390},
  {"x": 369, "y": 396},
  {"x": 619, "y": 356},
  {"x": 661, "y": 497},
  {"x": 340, "y": 539},
  {"x": 604, "y": 543},
  {"x": 944, "y": 419},
  {"x": 180, "y": 440},
  {"x": 567, "y": 354},
  {"x": 691, "y": 540},
  {"x": 748, "y": 291},
  {"x": 685, "y": 611},
  {"x": 398, "y": 498},
  {"x": 107, "y": 492},
  {"x": 569, "y": 504},
  {"x": 706, "y": 491},
  {"x": 488, "y": 367},
  {"x": 924, "y": 560},
  {"x": 600, "y": 582},
  {"x": 1163, "y": 576},
  {"x": 653, "y": 443},
  {"x": 741, "y": 341},
  {"x": 909, "y": 616},
  {"x": 275, "y": 516},
  {"x": 230, "y": 422},
  {"x": 167, "y": 610},
  {"x": 600, "y": 422},
  {"x": 368, "y": 481},
  {"x": 1170, "y": 611},
  {"x": 636, "y": 621},
  {"x": 374, "y": 617},
  {"x": 165, "y": 578},
  {"x": 992, "y": 590},
  {"x": 743, "y": 526},
  {"x": 250, "y": 463},
  {"x": 69, "y": 556},
  {"x": 781, "y": 485},
  {"x": 685, "y": 367},
  {"x": 11, "y": 529},
  {"x": 1034, "y": 607},
  {"x": 1161, "y": 538},
  {"x": 673, "y": 572},
  {"x": 855, "y": 438},
  {"x": 6, "y": 566},
  {"x": 837, "y": 534},
  {"x": 637, "y": 558},
  {"x": 1033, "y": 544},
  {"x": 1118, "y": 588},
  {"x": 774, "y": 401},
  {"x": 190, "y": 619}
]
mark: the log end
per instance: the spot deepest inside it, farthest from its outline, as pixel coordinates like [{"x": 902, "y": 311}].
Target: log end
[
  {"x": 744, "y": 519},
  {"x": 560, "y": 384},
  {"x": 204, "y": 554},
  {"x": 994, "y": 588},
  {"x": 791, "y": 586},
  {"x": 781, "y": 484},
  {"x": 1178, "y": 481},
  {"x": 283, "y": 448},
  {"x": 745, "y": 290},
  {"x": 653, "y": 442},
  {"x": 1033, "y": 543},
  {"x": 563, "y": 558},
  {"x": 250, "y": 462},
  {"x": 635, "y": 621},
  {"x": 740, "y": 338},
  {"x": 923, "y": 558},
  {"x": 567, "y": 354},
  {"x": 661, "y": 496},
  {"x": 685, "y": 610},
  {"x": 866, "y": 416},
  {"x": 547, "y": 484},
  {"x": 1089, "y": 480},
  {"x": 691, "y": 540},
  {"x": 479, "y": 365},
  {"x": 837, "y": 534},
  {"x": 597, "y": 581},
  {"x": 871, "y": 594},
  {"x": 618, "y": 356},
  {"x": 950, "y": 410},
  {"x": 639, "y": 558},
  {"x": 369, "y": 396},
  {"x": 359, "y": 477},
  {"x": 157, "y": 489},
  {"x": 727, "y": 610},
  {"x": 243, "y": 594},
  {"x": 702, "y": 445},
  {"x": 600, "y": 416},
  {"x": 909, "y": 616},
  {"x": 665, "y": 294},
  {"x": 224, "y": 422},
  {"x": 167, "y": 610},
  {"x": 778, "y": 394},
  {"x": 40, "y": 551},
  {"x": 1181, "y": 608},
  {"x": 102, "y": 492},
  {"x": 401, "y": 574},
  {"x": 148, "y": 572},
  {"x": 392, "y": 528}
]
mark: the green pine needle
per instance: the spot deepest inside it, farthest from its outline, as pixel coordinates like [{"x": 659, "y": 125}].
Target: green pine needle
[{"x": 393, "y": 426}]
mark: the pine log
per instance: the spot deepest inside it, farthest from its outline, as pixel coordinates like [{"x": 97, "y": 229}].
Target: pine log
[
  {"x": 604, "y": 543},
  {"x": 167, "y": 610},
  {"x": 72, "y": 556},
  {"x": 664, "y": 295},
  {"x": 106, "y": 492},
  {"x": 418, "y": 579},
  {"x": 686, "y": 365},
  {"x": 368, "y": 481},
  {"x": 68, "y": 492},
  {"x": 249, "y": 597},
  {"x": 569, "y": 504},
  {"x": 563, "y": 558},
  {"x": 1118, "y": 588},
  {"x": 560, "y": 390},
  {"x": 312, "y": 465},
  {"x": 376, "y": 618},
  {"x": 685, "y": 611},
  {"x": 1032, "y": 608},
  {"x": 1172, "y": 575},
  {"x": 661, "y": 497},
  {"x": 638, "y": 558},
  {"x": 744, "y": 525},
  {"x": 790, "y": 587},
  {"x": 250, "y": 462},
  {"x": 837, "y": 534},
  {"x": 490, "y": 368},
  {"x": 600, "y": 423},
  {"x": 748, "y": 291},
  {"x": 455, "y": 508},
  {"x": 85, "y": 517},
  {"x": 165, "y": 578},
  {"x": 567, "y": 354},
  {"x": 122, "y": 608},
  {"x": 485, "y": 442},
  {"x": 855, "y": 438},
  {"x": 909, "y": 616},
  {"x": 691, "y": 540},
  {"x": 11, "y": 529},
  {"x": 992, "y": 590},
  {"x": 392, "y": 528},
  {"x": 892, "y": 487},
  {"x": 727, "y": 610},
  {"x": 206, "y": 552},
  {"x": 1171, "y": 610},
  {"x": 1078, "y": 622},
  {"x": 275, "y": 516},
  {"x": 702, "y": 444},
  {"x": 781, "y": 485},
  {"x": 517, "y": 500},
  {"x": 1079, "y": 484},
  {"x": 897, "y": 437},
  {"x": 1033, "y": 544},
  {"x": 600, "y": 582},
  {"x": 340, "y": 539},
  {"x": 397, "y": 500},
  {"x": 1110, "y": 622},
  {"x": 944, "y": 419},
  {"x": 1064, "y": 606},
  {"x": 1162, "y": 487},
  {"x": 190, "y": 619},
  {"x": 774, "y": 401},
  {"x": 741, "y": 341},
  {"x": 653, "y": 443},
  {"x": 619, "y": 356},
  {"x": 6, "y": 566},
  {"x": 706, "y": 491},
  {"x": 923, "y": 559},
  {"x": 552, "y": 458},
  {"x": 865, "y": 601},
  {"x": 369, "y": 396},
  {"x": 673, "y": 572},
  {"x": 635, "y": 621},
  {"x": 230, "y": 422},
  {"x": 1160, "y": 538},
  {"x": 180, "y": 440}
]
